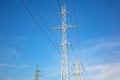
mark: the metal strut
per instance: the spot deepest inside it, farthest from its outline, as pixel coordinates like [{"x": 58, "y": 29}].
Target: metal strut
[
  {"x": 64, "y": 27},
  {"x": 37, "y": 73}
]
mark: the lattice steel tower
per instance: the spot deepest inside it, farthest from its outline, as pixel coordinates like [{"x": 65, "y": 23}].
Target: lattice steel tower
[
  {"x": 37, "y": 73},
  {"x": 77, "y": 70},
  {"x": 64, "y": 27}
]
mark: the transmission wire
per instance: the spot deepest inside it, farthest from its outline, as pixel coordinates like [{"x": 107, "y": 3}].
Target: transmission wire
[{"x": 43, "y": 31}]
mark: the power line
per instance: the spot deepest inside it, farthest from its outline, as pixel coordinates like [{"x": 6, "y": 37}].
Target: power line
[
  {"x": 37, "y": 12},
  {"x": 42, "y": 21},
  {"x": 59, "y": 4},
  {"x": 43, "y": 31},
  {"x": 77, "y": 36},
  {"x": 51, "y": 1},
  {"x": 78, "y": 40},
  {"x": 57, "y": 18},
  {"x": 57, "y": 48},
  {"x": 71, "y": 20}
]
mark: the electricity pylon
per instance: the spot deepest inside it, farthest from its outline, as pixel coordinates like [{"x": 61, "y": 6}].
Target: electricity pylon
[
  {"x": 37, "y": 73},
  {"x": 64, "y": 44},
  {"x": 77, "y": 70}
]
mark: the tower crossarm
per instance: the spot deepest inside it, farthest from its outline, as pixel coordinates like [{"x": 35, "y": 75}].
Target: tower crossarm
[
  {"x": 57, "y": 28},
  {"x": 64, "y": 45},
  {"x": 67, "y": 26}
]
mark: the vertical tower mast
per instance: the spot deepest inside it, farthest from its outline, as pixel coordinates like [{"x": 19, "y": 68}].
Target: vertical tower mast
[
  {"x": 37, "y": 73},
  {"x": 65, "y": 70},
  {"x": 77, "y": 70},
  {"x": 64, "y": 27}
]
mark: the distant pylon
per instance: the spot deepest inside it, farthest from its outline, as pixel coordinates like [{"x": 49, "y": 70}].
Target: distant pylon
[
  {"x": 77, "y": 70},
  {"x": 37, "y": 73},
  {"x": 64, "y": 44}
]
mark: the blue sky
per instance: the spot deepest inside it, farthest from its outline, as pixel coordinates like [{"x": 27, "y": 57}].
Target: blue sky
[{"x": 25, "y": 43}]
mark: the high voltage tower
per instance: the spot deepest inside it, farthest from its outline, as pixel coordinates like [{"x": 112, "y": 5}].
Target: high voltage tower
[
  {"x": 37, "y": 73},
  {"x": 77, "y": 70},
  {"x": 65, "y": 64}
]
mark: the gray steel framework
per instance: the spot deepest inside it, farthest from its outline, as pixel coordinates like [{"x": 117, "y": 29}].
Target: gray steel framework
[
  {"x": 37, "y": 73},
  {"x": 64, "y": 27}
]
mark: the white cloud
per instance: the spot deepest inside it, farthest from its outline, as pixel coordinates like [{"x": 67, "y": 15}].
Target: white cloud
[
  {"x": 8, "y": 71},
  {"x": 110, "y": 49},
  {"x": 104, "y": 71},
  {"x": 8, "y": 54},
  {"x": 98, "y": 52},
  {"x": 16, "y": 66},
  {"x": 99, "y": 46},
  {"x": 101, "y": 52},
  {"x": 7, "y": 78}
]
